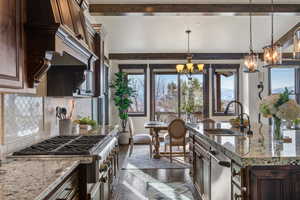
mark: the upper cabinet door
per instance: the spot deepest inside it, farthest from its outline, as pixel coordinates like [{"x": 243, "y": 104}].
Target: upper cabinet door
[
  {"x": 11, "y": 60},
  {"x": 66, "y": 15},
  {"x": 78, "y": 20}
]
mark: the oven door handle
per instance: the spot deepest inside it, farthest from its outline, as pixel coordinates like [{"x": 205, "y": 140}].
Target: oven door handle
[{"x": 220, "y": 162}]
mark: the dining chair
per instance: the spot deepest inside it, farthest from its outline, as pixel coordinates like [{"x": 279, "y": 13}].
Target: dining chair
[
  {"x": 138, "y": 138},
  {"x": 176, "y": 136}
]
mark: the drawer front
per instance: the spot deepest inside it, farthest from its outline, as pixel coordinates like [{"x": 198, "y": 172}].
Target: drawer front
[{"x": 69, "y": 189}]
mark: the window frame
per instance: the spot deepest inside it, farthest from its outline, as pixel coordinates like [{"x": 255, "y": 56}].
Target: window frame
[
  {"x": 123, "y": 67},
  {"x": 235, "y": 67}
]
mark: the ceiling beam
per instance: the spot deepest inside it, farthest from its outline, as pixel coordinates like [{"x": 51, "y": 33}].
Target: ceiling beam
[
  {"x": 175, "y": 56},
  {"x": 190, "y": 9},
  {"x": 182, "y": 56},
  {"x": 287, "y": 39}
]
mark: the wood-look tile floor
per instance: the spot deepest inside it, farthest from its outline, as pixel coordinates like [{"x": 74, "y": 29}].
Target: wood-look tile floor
[{"x": 133, "y": 184}]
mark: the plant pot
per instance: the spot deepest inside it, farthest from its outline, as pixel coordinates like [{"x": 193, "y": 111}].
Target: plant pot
[
  {"x": 124, "y": 137},
  {"x": 84, "y": 128}
]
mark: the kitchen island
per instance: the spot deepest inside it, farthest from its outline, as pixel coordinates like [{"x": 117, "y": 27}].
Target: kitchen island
[{"x": 240, "y": 166}]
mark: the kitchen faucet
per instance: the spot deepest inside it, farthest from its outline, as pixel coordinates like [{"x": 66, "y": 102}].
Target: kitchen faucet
[
  {"x": 240, "y": 115},
  {"x": 249, "y": 132}
]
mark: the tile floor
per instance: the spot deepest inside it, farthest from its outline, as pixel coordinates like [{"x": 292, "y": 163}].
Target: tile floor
[{"x": 153, "y": 184}]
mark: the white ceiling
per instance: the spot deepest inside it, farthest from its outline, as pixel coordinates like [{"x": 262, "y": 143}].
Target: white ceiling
[
  {"x": 191, "y": 1},
  {"x": 210, "y": 34}
]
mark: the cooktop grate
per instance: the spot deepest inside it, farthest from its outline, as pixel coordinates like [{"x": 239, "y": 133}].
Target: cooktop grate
[{"x": 64, "y": 145}]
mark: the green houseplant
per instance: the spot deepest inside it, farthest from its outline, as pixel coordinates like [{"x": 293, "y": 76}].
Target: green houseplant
[{"x": 122, "y": 94}]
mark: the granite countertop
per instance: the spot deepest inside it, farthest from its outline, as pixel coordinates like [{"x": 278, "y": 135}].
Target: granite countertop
[
  {"x": 32, "y": 179},
  {"x": 252, "y": 150}
]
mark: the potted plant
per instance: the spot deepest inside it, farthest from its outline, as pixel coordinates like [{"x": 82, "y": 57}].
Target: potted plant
[
  {"x": 85, "y": 124},
  {"x": 122, "y": 97},
  {"x": 279, "y": 107}
]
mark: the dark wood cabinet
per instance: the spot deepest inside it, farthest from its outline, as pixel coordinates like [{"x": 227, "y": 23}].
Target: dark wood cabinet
[
  {"x": 11, "y": 52},
  {"x": 270, "y": 183},
  {"x": 78, "y": 21},
  {"x": 65, "y": 14}
]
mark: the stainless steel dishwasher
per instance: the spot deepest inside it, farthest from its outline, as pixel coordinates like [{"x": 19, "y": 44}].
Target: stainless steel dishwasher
[{"x": 220, "y": 176}]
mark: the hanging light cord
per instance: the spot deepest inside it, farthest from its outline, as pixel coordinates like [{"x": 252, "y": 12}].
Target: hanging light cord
[
  {"x": 188, "y": 32},
  {"x": 272, "y": 24},
  {"x": 250, "y": 14}
]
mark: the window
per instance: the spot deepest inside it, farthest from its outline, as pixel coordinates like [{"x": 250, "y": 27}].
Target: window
[
  {"x": 136, "y": 75},
  {"x": 166, "y": 94},
  {"x": 281, "y": 78},
  {"x": 225, "y": 88},
  {"x": 170, "y": 94},
  {"x": 191, "y": 95}
]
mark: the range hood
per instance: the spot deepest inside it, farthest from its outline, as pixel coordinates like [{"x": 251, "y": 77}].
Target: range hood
[{"x": 56, "y": 37}]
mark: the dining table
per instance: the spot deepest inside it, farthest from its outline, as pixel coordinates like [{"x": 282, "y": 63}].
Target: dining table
[{"x": 156, "y": 126}]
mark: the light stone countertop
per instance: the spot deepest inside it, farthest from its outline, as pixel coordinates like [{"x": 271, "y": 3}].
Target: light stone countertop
[
  {"x": 259, "y": 149},
  {"x": 32, "y": 179}
]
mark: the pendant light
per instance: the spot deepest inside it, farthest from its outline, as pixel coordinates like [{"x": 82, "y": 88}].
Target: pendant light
[
  {"x": 189, "y": 68},
  {"x": 297, "y": 44},
  {"x": 272, "y": 53},
  {"x": 251, "y": 60}
]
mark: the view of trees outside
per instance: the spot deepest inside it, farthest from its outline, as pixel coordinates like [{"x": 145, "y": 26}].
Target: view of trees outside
[
  {"x": 281, "y": 78},
  {"x": 191, "y": 97},
  {"x": 137, "y": 82},
  {"x": 166, "y": 93},
  {"x": 167, "y": 99}
]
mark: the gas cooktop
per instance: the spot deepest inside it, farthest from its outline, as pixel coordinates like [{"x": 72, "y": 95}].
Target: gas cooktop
[{"x": 64, "y": 145}]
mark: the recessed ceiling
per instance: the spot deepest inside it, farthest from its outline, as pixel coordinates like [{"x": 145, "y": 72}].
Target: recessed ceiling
[{"x": 210, "y": 34}]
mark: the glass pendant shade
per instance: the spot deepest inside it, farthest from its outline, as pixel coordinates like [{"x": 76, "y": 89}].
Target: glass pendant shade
[
  {"x": 251, "y": 63},
  {"x": 190, "y": 67},
  {"x": 297, "y": 44},
  {"x": 272, "y": 55},
  {"x": 179, "y": 68},
  {"x": 200, "y": 67}
]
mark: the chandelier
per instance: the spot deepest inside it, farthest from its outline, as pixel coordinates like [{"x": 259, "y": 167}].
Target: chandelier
[
  {"x": 297, "y": 44},
  {"x": 272, "y": 53},
  {"x": 189, "y": 68},
  {"x": 251, "y": 60}
]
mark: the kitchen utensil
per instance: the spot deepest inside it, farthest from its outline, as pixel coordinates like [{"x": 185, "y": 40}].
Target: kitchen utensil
[{"x": 64, "y": 113}]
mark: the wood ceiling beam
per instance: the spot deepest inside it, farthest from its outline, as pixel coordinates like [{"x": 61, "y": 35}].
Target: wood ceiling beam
[
  {"x": 182, "y": 56},
  {"x": 188, "y": 9},
  {"x": 287, "y": 39}
]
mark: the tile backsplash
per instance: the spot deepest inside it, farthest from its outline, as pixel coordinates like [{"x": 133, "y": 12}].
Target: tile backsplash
[{"x": 26, "y": 120}]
